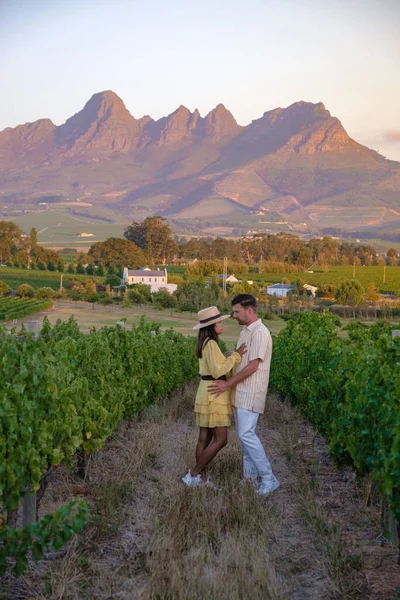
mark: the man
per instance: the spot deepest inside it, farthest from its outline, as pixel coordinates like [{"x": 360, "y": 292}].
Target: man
[{"x": 249, "y": 386}]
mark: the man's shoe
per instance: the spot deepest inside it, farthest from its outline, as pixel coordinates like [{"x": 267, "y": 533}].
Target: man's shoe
[
  {"x": 191, "y": 481},
  {"x": 267, "y": 487}
]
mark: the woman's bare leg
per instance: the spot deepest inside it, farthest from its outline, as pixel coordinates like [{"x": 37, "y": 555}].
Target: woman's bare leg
[
  {"x": 219, "y": 441},
  {"x": 205, "y": 437}
]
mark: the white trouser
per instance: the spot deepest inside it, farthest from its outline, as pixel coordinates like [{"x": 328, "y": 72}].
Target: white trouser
[{"x": 255, "y": 461}]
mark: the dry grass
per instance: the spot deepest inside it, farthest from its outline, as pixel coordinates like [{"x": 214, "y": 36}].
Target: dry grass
[{"x": 151, "y": 538}]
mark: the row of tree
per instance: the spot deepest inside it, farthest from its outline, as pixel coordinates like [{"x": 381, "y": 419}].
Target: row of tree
[{"x": 152, "y": 242}]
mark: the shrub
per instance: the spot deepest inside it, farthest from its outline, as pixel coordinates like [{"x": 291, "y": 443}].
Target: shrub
[
  {"x": 4, "y": 289},
  {"x": 25, "y": 291},
  {"x": 106, "y": 301},
  {"x": 45, "y": 292},
  {"x": 164, "y": 299}
]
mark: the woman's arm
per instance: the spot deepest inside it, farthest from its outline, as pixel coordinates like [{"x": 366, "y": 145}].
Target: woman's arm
[
  {"x": 219, "y": 387},
  {"x": 217, "y": 363}
]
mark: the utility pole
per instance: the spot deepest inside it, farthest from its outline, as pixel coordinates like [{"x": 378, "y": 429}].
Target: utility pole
[
  {"x": 224, "y": 274},
  {"x": 61, "y": 278}
]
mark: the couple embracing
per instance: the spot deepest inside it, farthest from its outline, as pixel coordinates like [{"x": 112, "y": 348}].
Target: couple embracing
[{"x": 245, "y": 391}]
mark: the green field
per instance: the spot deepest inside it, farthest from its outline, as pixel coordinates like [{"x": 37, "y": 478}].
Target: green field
[
  {"x": 37, "y": 279},
  {"x": 58, "y": 227},
  {"x": 334, "y": 275}
]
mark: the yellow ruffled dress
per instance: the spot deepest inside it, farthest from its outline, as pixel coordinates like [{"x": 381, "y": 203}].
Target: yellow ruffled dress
[{"x": 214, "y": 411}]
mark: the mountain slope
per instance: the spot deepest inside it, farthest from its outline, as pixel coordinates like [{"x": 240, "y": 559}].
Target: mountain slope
[{"x": 298, "y": 161}]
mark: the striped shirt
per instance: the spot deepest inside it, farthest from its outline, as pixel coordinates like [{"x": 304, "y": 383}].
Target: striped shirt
[{"x": 251, "y": 393}]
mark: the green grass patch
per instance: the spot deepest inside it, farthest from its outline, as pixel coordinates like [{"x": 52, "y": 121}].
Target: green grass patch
[{"x": 14, "y": 277}]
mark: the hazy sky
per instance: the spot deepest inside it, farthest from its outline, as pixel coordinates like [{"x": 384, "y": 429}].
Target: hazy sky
[{"x": 251, "y": 55}]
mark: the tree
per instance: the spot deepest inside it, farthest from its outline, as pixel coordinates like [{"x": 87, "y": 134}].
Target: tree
[
  {"x": 90, "y": 292},
  {"x": 117, "y": 253},
  {"x": 4, "y": 289},
  {"x": 392, "y": 257},
  {"x": 113, "y": 280},
  {"x": 164, "y": 299},
  {"x": 89, "y": 269},
  {"x": 33, "y": 237},
  {"x": 153, "y": 236},
  {"x": 25, "y": 291},
  {"x": 70, "y": 268},
  {"x": 100, "y": 270},
  {"x": 350, "y": 293},
  {"x": 44, "y": 255},
  {"x": 11, "y": 240},
  {"x": 142, "y": 289},
  {"x": 80, "y": 269},
  {"x": 326, "y": 290},
  {"x": 371, "y": 295},
  {"x": 243, "y": 287},
  {"x": 61, "y": 266},
  {"x": 51, "y": 266}
]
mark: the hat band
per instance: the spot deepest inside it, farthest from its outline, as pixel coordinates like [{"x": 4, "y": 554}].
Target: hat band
[{"x": 210, "y": 318}]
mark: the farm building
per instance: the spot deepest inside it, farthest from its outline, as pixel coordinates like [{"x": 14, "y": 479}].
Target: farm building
[
  {"x": 280, "y": 289},
  {"x": 156, "y": 279}
]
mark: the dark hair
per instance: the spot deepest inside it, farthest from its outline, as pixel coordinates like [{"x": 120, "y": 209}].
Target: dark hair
[
  {"x": 245, "y": 300},
  {"x": 205, "y": 335}
]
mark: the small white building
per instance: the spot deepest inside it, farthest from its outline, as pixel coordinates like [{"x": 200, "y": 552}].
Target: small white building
[
  {"x": 310, "y": 288},
  {"x": 156, "y": 279},
  {"x": 280, "y": 289},
  {"x": 229, "y": 278}
]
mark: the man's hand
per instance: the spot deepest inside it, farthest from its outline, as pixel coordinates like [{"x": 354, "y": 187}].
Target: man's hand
[{"x": 218, "y": 387}]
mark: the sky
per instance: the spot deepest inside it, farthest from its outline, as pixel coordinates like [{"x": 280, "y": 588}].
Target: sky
[{"x": 251, "y": 55}]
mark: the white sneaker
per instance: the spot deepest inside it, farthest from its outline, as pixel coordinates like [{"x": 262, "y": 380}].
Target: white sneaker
[
  {"x": 267, "y": 487},
  {"x": 191, "y": 481}
]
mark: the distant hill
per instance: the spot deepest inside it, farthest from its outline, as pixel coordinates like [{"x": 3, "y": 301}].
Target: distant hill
[{"x": 297, "y": 161}]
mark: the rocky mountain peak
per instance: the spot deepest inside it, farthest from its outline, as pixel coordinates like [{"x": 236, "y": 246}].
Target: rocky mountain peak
[
  {"x": 176, "y": 126},
  {"x": 104, "y": 124},
  {"x": 219, "y": 122}
]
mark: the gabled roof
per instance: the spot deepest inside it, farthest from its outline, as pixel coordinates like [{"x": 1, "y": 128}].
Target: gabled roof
[
  {"x": 143, "y": 273},
  {"x": 281, "y": 286}
]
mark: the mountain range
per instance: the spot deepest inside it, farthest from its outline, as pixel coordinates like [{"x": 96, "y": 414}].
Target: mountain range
[{"x": 296, "y": 162}]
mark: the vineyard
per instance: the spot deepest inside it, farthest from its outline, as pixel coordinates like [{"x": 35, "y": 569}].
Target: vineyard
[
  {"x": 17, "y": 308},
  {"x": 64, "y": 394},
  {"x": 349, "y": 389},
  {"x": 387, "y": 281}
]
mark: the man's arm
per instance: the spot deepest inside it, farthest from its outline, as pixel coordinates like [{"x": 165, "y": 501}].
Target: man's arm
[{"x": 218, "y": 387}]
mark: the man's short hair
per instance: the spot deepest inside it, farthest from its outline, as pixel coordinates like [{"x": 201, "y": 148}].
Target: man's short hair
[{"x": 245, "y": 300}]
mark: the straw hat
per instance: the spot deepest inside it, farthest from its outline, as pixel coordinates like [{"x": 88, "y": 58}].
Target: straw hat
[{"x": 209, "y": 316}]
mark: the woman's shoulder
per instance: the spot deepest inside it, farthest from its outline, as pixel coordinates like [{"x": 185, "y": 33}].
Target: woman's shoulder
[
  {"x": 210, "y": 344},
  {"x": 210, "y": 341}
]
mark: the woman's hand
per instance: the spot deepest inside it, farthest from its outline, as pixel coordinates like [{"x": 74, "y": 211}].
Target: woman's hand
[{"x": 242, "y": 349}]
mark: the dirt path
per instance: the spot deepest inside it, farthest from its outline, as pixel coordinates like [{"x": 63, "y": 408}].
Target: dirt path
[{"x": 149, "y": 537}]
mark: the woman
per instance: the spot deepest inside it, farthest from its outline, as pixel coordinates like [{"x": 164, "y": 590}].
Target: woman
[{"x": 212, "y": 413}]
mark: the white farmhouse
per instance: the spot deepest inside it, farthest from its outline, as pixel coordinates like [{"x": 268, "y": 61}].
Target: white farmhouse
[
  {"x": 156, "y": 279},
  {"x": 280, "y": 289}
]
